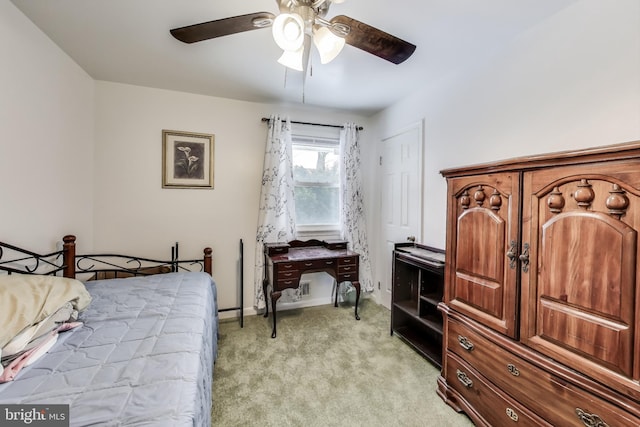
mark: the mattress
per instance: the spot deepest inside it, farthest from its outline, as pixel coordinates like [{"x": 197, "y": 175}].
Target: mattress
[{"x": 143, "y": 356}]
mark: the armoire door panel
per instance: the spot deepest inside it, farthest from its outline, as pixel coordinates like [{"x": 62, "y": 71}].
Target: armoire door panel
[
  {"x": 485, "y": 217},
  {"x": 587, "y": 259},
  {"x": 480, "y": 232},
  {"x": 581, "y": 301},
  {"x": 485, "y": 295},
  {"x": 479, "y": 277},
  {"x": 604, "y": 341}
]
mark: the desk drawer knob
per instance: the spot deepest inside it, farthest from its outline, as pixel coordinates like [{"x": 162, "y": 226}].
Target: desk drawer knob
[
  {"x": 590, "y": 420},
  {"x": 464, "y": 379},
  {"x": 308, "y": 264},
  {"x": 465, "y": 343},
  {"x": 329, "y": 262}
]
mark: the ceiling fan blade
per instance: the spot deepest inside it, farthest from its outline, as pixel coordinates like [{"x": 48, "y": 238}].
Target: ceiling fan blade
[
  {"x": 223, "y": 27},
  {"x": 375, "y": 41}
]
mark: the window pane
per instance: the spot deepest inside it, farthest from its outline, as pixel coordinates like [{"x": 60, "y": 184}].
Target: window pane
[
  {"x": 317, "y": 205},
  {"x": 316, "y": 172},
  {"x": 316, "y": 164}
]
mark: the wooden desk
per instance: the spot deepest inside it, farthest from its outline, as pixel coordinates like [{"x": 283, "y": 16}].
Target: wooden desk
[{"x": 286, "y": 262}]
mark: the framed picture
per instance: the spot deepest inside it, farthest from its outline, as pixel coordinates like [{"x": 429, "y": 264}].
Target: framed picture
[{"x": 187, "y": 159}]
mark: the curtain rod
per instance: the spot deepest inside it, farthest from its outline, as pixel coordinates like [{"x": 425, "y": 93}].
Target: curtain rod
[{"x": 266, "y": 119}]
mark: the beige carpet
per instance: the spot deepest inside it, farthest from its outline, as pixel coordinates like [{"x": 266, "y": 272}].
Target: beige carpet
[{"x": 324, "y": 369}]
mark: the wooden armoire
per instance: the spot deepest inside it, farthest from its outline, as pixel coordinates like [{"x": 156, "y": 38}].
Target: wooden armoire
[{"x": 542, "y": 290}]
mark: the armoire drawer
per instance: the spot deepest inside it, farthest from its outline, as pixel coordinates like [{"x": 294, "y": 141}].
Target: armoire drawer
[
  {"x": 498, "y": 408},
  {"x": 558, "y": 401}
]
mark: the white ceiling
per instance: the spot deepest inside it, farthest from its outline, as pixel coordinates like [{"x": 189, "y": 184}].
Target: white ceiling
[{"x": 128, "y": 41}]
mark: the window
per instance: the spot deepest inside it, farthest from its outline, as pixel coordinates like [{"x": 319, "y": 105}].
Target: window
[{"x": 316, "y": 175}]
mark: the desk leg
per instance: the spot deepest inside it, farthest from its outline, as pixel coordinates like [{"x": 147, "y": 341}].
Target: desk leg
[
  {"x": 357, "y": 286},
  {"x": 265, "y": 286},
  {"x": 275, "y": 296}
]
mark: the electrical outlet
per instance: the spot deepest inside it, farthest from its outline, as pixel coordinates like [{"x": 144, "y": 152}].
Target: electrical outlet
[{"x": 304, "y": 288}]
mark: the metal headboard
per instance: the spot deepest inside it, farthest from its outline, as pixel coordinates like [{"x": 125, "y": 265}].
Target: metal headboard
[{"x": 18, "y": 260}]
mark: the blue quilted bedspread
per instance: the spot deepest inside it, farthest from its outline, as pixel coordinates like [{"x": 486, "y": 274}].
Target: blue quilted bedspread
[{"x": 144, "y": 355}]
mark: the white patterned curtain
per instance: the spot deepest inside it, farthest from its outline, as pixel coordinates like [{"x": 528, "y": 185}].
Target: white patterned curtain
[
  {"x": 353, "y": 219},
  {"x": 276, "y": 221}
]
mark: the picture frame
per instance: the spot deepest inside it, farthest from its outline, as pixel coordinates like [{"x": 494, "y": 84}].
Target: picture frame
[{"x": 187, "y": 159}]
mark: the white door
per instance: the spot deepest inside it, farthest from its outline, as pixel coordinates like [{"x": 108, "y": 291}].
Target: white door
[{"x": 401, "y": 199}]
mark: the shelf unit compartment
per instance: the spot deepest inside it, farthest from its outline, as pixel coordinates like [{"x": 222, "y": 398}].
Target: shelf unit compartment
[
  {"x": 418, "y": 279},
  {"x": 424, "y": 340}
]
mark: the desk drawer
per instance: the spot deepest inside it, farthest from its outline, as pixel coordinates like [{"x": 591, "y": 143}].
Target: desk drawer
[
  {"x": 498, "y": 409},
  {"x": 347, "y": 273},
  {"x": 285, "y": 266},
  {"x": 317, "y": 264},
  {"x": 347, "y": 269},
  {"x": 557, "y": 400},
  {"x": 288, "y": 275},
  {"x": 350, "y": 277},
  {"x": 349, "y": 260},
  {"x": 287, "y": 283},
  {"x": 286, "y": 270}
]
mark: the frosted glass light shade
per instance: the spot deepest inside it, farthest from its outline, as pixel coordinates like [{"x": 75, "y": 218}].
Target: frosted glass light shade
[
  {"x": 293, "y": 59},
  {"x": 328, "y": 44},
  {"x": 288, "y": 31}
]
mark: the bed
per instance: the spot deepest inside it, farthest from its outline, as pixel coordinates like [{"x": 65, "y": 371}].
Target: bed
[{"x": 141, "y": 350}]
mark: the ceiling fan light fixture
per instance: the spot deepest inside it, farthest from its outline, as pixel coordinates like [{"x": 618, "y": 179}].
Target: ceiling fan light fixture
[
  {"x": 293, "y": 59},
  {"x": 328, "y": 44},
  {"x": 288, "y": 31}
]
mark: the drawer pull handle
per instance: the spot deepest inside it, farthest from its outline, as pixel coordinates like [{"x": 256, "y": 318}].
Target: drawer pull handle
[
  {"x": 308, "y": 264},
  {"x": 513, "y": 370},
  {"x": 464, "y": 379},
  {"x": 512, "y": 414},
  {"x": 465, "y": 343},
  {"x": 590, "y": 420},
  {"x": 329, "y": 262}
]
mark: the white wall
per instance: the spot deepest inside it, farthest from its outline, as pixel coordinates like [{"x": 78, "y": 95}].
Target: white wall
[
  {"x": 46, "y": 122},
  {"x": 134, "y": 214},
  {"x": 572, "y": 81}
]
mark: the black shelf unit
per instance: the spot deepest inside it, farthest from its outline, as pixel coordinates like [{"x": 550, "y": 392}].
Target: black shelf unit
[{"x": 418, "y": 283}]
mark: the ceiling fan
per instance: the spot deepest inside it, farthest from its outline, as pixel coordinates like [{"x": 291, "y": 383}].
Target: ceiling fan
[{"x": 301, "y": 23}]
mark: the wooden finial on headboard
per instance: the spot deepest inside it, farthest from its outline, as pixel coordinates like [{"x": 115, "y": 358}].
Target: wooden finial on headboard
[
  {"x": 69, "y": 256},
  {"x": 207, "y": 260}
]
